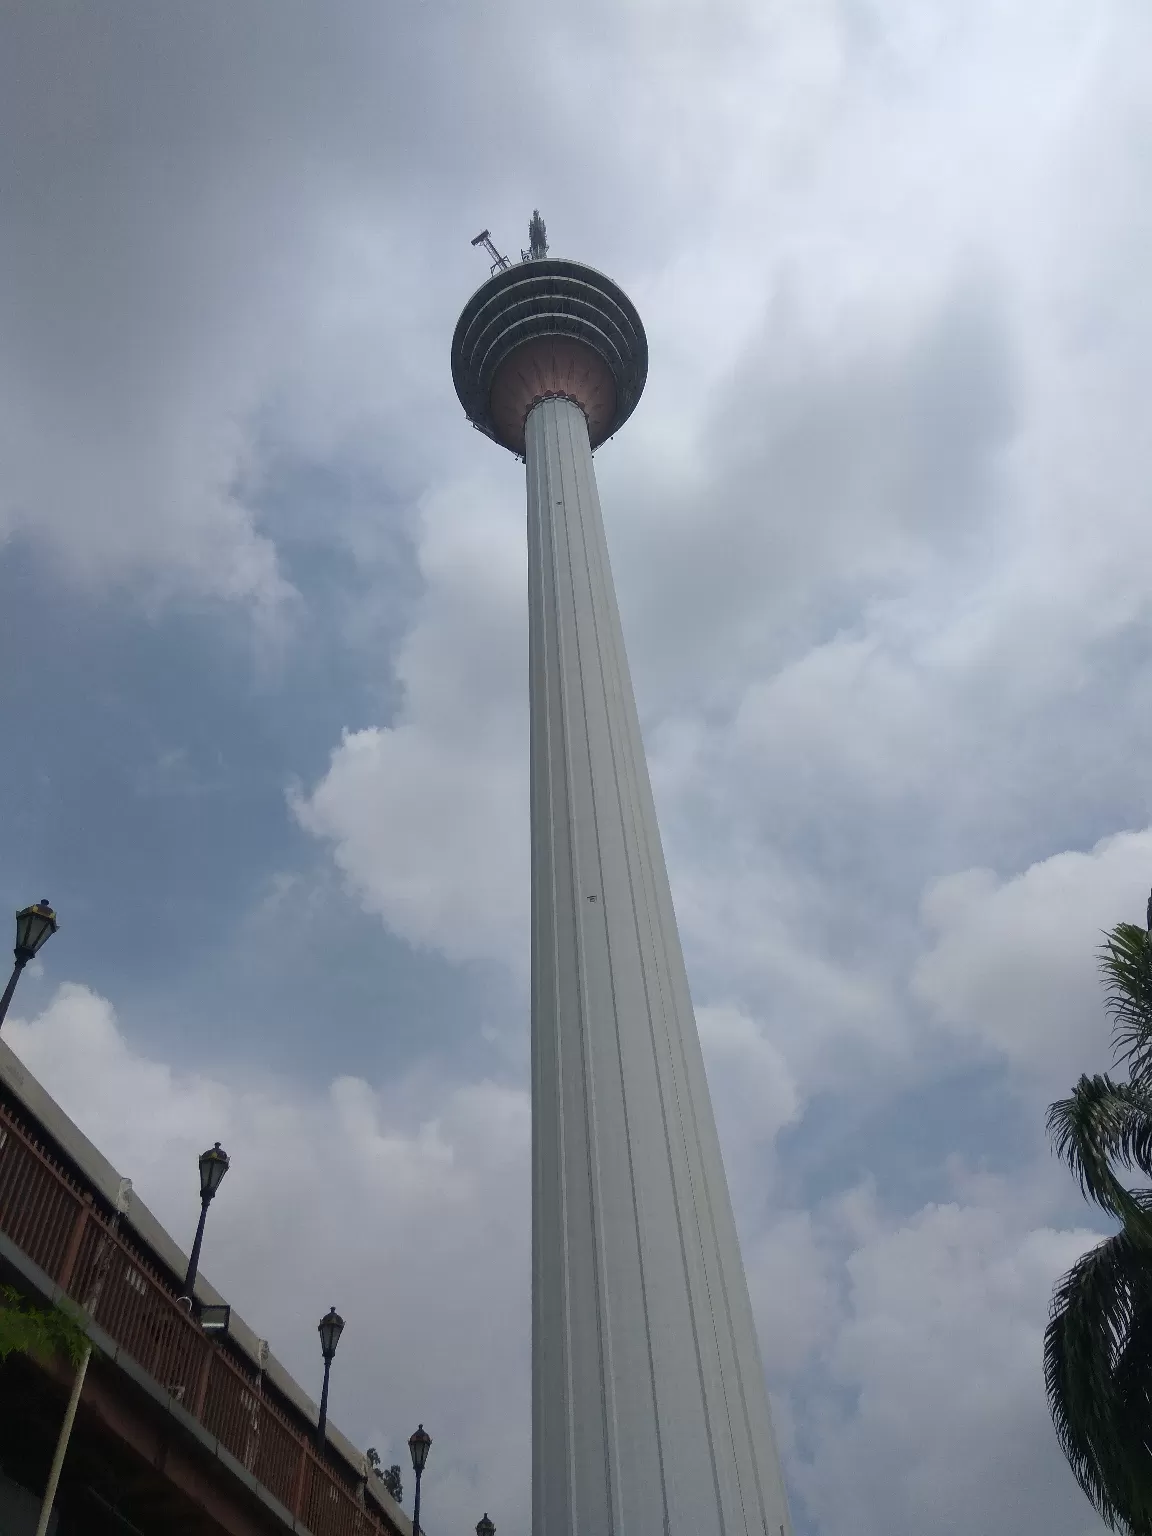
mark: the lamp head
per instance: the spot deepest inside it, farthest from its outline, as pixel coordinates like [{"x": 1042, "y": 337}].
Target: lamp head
[
  {"x": 35, "y": 925},
  {"x": 213, "y": 1167},
  {"x": 418, "y": 1444},
  {"x": 330, "y": 1327}
]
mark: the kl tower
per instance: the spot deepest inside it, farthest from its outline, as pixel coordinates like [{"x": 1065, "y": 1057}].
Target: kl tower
[{"x": 649, "y": 1410}]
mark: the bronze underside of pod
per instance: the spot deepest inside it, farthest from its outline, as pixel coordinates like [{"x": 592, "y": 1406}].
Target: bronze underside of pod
[{"x": 547, "y": 368}]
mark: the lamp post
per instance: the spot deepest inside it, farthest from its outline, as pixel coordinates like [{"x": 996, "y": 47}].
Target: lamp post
[
  {"x": 35, "y": 925},
  {"x": 418, "y": 1444},
  {"x": 213, "y": 1167},
  {"x": 484, "y": 1527},
  {"x": 330, "y": 1327}
]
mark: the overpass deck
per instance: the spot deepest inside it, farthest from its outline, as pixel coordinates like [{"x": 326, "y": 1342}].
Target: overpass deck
[{"x": 212, "y": 1442}]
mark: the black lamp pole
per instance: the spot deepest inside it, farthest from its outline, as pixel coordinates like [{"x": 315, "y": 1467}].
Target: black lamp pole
[
  {"x": 330, "y": 1327},
  {"x": 213, "y": 1167},
  {"x": 484, "y": 1527},
  {"x": 418, "y": 1444},
  {"x": 35, "y": 925}
]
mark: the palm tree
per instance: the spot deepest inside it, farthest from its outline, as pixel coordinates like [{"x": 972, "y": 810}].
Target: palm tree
[{"x": 1098, "y": 1344}]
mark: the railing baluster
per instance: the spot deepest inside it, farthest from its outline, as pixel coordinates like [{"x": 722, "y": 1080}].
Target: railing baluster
[
  {"x": 75, "y": 1238},
  {"x": 301, "y": 1478}
]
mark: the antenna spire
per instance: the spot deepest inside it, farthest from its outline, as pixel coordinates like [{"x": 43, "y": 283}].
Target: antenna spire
[{"x": 537, "y": 239}]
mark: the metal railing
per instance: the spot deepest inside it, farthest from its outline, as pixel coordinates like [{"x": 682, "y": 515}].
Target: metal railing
[{"x": 57, "y": 1224}]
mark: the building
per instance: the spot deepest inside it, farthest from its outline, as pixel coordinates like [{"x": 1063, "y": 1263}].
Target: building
[
  {"x": 650, "y": 1413},
  {"x": 180, "y": 1431}
]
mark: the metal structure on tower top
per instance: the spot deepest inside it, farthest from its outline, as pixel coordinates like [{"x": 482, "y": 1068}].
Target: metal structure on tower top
[
  {"x": 499, "y": 263},
  {"x": 537, "y": 244},
  {"x": 537, "y": 239}
]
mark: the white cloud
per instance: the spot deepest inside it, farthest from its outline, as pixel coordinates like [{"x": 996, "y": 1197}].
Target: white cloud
[
  {"x": 754, "y": 1097},
  {"x": 1012, "y": 962},
  {"x": 794, "y": 1285},
  {"x": 934, "y": 1415},
  {"x": 427, "y": 816},
  {"x": 748, "y": 1072}
]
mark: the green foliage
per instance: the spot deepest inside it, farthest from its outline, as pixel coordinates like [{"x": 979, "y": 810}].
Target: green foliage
[
  {"x": 42, "y": 1332},
  {"x": 1126, "y": 965},
  {"x": 1098, "y": 1344},
  {"x": 1106, "y": 1123},
  {"x": 389, "y": 1476}
]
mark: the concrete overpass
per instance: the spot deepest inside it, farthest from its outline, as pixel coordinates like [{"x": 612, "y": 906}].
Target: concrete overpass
[{"x": 179, "y": 1432}]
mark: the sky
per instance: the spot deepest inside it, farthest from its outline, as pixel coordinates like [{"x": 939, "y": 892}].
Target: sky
[{"x": 880, "y": 537}]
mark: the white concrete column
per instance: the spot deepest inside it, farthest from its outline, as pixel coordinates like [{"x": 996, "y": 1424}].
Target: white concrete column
[{"x": 650, "y": 1414}]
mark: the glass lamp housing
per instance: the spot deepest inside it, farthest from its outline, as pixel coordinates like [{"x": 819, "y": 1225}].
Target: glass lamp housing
[
  {"x": 213, "y": 1167},
  {"x": 418, "y": 1445},
  {"x": 35, "y": 925},
  {"x": 330, "y": 1327}
]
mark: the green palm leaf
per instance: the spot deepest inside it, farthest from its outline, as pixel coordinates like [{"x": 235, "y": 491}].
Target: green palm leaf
[
  {"x": 1102, "y": 1124},
  {"x": 1126, "y": 966},
  {"x": 1098, "y": 1343},
  {"x": 1098, "y": 1374}
]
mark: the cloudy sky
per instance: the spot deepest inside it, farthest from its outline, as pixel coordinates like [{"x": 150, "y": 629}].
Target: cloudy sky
[{"x": 881, "y": 538}]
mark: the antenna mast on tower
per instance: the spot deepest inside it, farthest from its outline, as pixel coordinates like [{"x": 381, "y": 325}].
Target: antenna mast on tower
[
  {"x": 537, "y": 239},
  {"x": 499, "y": 263}
]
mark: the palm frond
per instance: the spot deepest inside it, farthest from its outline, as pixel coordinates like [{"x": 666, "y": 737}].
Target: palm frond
[
  {"x": 1097, "y": 1370},
  {"x": 1126, "y": 967},
  {"x": 1105, "y": 1123}
]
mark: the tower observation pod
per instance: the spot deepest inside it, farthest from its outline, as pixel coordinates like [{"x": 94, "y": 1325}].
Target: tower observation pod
[{"x": 649, "y": 1409}]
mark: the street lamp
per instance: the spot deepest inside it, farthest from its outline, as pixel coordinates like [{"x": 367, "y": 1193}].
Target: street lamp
[
  {"x": 35, "y": 925},
  {"x": 418, "y": 1444},
  {"x": 213, "y": 1167},
  {"x": 330, "y": 1327},
  {"x": 485, "y": 1527}
]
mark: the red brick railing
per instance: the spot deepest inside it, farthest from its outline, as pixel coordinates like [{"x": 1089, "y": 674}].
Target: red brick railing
[{"x": 57, "y": 1224}]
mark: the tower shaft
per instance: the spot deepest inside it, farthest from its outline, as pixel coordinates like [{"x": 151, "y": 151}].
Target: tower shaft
[{"x": 650, "y": 1414}]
